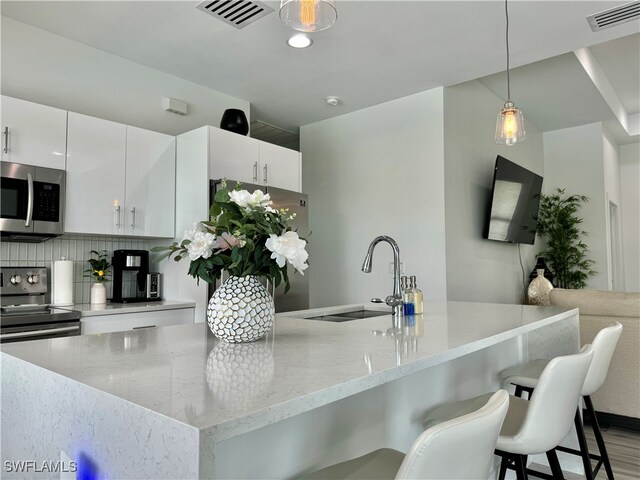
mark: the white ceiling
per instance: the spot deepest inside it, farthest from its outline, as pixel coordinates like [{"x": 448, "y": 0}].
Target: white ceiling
[
  {"x": 377, "y": 51},
  {"x": 620, "y": 59}
]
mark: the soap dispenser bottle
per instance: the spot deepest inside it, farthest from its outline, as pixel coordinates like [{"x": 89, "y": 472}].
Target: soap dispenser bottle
[
  {"x": 407, "y": 297},
  {"x": 417, "y": 296}
]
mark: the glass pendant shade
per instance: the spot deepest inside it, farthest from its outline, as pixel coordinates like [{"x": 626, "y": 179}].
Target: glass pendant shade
[
  {"x": 510, "y": 125},
  {"x": 308, "y": 15}
]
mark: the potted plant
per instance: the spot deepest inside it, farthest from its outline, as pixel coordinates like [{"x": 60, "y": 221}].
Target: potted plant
[
  {"x": 247, "y": 238},
  {"x": 558, "y": 225},
  {"x": 99, "y": 272}
]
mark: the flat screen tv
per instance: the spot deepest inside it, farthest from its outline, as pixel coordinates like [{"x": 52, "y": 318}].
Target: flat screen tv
[{"x": 514, "y": 206}]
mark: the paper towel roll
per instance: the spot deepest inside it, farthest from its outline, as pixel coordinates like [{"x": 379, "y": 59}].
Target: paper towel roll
[{"x": 62, "y": 282}]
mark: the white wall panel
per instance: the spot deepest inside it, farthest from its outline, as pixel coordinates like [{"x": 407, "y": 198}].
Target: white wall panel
[
  {"x": 377, "y": 171},
  {"x": 52, "y": 70},
  {"x": 481, "y": 270},
  {"x": 630, "y": 212},
  {"x": 574, "y": 161}
]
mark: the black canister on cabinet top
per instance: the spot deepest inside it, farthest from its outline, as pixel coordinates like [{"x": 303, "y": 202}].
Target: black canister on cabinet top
[{"x": 234, "y": 120}]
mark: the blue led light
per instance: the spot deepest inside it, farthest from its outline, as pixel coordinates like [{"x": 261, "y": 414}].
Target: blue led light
[{"x": 87, "y": 468}]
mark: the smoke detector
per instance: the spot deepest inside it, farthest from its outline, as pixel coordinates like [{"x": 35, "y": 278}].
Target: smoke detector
[{"x": 333, "y": 100}]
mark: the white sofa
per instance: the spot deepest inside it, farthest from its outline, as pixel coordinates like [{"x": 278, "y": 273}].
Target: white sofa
[{"x": 620, "y": 394}]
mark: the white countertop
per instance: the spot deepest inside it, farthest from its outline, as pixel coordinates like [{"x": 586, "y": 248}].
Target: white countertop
[
  {"x": 90, "y": 310},
  {"x": 183, "y": 372}
]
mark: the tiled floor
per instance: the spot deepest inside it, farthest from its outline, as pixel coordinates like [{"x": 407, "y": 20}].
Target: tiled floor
[
  {"x": 623, "y": 447},
  {"x": 624, "y": 451}
]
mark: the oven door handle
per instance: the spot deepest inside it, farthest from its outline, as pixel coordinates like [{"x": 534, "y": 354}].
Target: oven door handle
[
  {"x": 35, "y": 333},
  {"x": 27, "y": 222}
]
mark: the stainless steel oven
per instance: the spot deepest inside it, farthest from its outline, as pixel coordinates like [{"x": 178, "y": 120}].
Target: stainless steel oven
[
  {"x": 32, "y": 203},
  {"x": 25, "y": 313}
]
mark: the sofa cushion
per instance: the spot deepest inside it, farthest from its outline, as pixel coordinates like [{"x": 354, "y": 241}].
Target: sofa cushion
[
  {"x": 620, "y": 393},
  {"x": 598, "y": 302}
]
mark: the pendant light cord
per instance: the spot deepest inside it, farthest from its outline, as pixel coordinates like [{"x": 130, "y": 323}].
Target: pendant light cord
[{"x": 506, "y": 14}]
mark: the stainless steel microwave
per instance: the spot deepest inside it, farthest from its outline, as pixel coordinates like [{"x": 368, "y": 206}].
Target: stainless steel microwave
[{"x": 32, "y": 202}]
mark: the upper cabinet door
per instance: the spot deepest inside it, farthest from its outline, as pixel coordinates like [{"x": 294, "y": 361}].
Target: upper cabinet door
[
  {"x": 233, "y": 156},
  {"x": 33, "y": 134},
  {"x": 95, "y": 176},
  {"x": 150, "y": 183},
  {"x": 279, "y": 167}
]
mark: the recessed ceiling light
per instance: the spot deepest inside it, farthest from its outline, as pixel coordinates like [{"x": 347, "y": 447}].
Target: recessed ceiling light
[{"x": 299, "y": 40}]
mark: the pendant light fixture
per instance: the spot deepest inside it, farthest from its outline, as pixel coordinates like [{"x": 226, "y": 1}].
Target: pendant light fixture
[
  {"x": 510, "y": 124},
  {"x": 308, "y": 15}
]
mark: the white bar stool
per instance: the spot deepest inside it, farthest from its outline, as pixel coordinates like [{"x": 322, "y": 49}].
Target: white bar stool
[
  {"x": 535, "y": 426},
  {"x": 526, "y": 378},
  {"x": 458, "y": 449}
]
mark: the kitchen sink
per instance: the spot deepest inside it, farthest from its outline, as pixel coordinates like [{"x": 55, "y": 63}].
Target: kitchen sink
[{"x": 347, "y": 316}]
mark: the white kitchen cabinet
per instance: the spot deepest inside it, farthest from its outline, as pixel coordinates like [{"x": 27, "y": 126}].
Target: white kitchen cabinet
[
  {"x": 120, "y": 179},
  {"x": 279, "y": 167},
  {"x": 95, "y": 176},
  {"x": 246, "y": 159},
  {"x": 233, "y": 156},
  {"x": 150, "y": 183},
  {"x": 33, "y": 134},
  {"x": 134, "y": 321}
]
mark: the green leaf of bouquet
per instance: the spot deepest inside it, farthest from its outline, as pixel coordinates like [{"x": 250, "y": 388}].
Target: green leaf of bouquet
[
  {"x": 217, "y": 260},
  {"x": 162, "y": 257},
  {"x": 221, "y": 196}
]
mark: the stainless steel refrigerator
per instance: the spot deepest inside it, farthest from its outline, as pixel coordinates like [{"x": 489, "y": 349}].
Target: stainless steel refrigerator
[{"x": 298, "y": 296}]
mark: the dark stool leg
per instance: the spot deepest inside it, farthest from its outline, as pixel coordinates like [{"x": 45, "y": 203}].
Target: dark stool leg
[
  {"x": 503, "y": 468},
  {"x": 556, "y": 469},
  {"x": 521, "y": 467},
  {"x": 598, "y": 434},
  {"x": 584, "y": 450}
]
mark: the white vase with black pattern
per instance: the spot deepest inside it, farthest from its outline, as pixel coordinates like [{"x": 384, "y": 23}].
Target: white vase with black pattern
[{"x": 240, "y": 310}]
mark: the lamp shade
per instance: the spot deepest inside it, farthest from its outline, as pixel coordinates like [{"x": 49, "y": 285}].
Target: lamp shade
[
  {"x": 308, "y": 15},
  {"x": 510, "y": 125}
]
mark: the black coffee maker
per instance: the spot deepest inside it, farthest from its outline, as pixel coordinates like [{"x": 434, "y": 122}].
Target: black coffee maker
[{"x": 130, "y": 269}]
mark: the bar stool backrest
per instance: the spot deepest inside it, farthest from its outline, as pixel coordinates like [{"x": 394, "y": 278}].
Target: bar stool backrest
[
  {"x": 461, "y": 448},
  {"x": 554, "y": 401},
  {"x": 603, "y": 347}
]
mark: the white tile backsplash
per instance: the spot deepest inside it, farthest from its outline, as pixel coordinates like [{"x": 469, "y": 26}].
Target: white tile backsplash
[{"x": 72, "y": 247}]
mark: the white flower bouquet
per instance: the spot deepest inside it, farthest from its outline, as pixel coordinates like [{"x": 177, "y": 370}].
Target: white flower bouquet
[{"x": 244, "y": 235}]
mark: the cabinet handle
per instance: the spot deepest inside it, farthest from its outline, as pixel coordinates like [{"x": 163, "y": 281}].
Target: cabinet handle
[
  {"x": 265, "y": 173},
  {"x": 133, "y": 217},
  {"x": 255, "y": 171},
  {"x": 146, "y": 326},
  {"x": 117, "y": 212},
  {"x": 6, "y": 140},
  {"x": 27, "y": 222}
]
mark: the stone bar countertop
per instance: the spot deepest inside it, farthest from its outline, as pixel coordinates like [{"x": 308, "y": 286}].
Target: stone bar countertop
[
  {"x": 184, "y": 373},
  {"x": 174, "y": 402}
]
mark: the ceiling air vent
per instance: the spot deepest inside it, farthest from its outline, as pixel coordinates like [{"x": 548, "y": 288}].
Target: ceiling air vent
[
  {"x": 237, "y": 13},
  {"x": 614, "y": 16}
]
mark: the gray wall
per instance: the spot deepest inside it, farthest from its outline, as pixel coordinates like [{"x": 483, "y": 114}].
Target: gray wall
[
  {"x": 375, "y": 171},
  {"x": 612, "y": 192},
  {"x": 478, "y": 269},
  {"x": 630, "y": 200},
  {"x": 45, "y": 68},
  {"x": 574, "y": 161}
]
